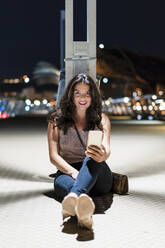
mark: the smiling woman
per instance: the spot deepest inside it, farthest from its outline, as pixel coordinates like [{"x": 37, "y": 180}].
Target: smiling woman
[
  {"x": 66, "y": 113},
  {"x": 81, "y": 169},
  {"x": 82, "y": 96}
]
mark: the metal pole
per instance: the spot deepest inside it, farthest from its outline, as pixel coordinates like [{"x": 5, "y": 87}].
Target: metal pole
[{"x": 80, "y": 56}]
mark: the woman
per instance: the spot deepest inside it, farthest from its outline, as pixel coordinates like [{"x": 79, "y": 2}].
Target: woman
[{"x": 81, "y": 172}]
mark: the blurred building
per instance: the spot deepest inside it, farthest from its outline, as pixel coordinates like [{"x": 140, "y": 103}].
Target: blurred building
[{"x": 46, "y": 78}]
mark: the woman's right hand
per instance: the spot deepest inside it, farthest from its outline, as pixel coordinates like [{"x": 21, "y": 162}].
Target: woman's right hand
[{"x": 74, "y": 173}]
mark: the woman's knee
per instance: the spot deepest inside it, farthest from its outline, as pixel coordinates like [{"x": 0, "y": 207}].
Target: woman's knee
[
  {"x": 105, "y": 176},
  {"x": 60, "y": 191},
  {"x": 91, "y": 163},
  {"x": 62, "y": 185}
]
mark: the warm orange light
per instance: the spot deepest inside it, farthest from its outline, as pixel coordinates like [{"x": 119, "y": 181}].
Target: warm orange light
[{"x": 52, "y": 103}]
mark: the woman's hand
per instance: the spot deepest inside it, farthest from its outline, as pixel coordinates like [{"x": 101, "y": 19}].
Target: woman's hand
[
  {"x": 74, "y": 174},
  {"x": 96, "y": 153}
]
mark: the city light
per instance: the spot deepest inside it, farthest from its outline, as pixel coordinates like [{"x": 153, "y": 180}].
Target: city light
[
  {"x": 154, "y": 97},
  {"x": 27, "y": 108},
  {"x": 2, "y": 108},
  {"x": 107, "y": 102},
  {"x": 37, "y": 102},
  {"x": 52, "y": 103},
  {"x": 28, "y": 101},
  {"x": 105, "y": 80},
  {"x": 134, "y": 94},
  {"x": 150, "y": 107},
  {"x": 162, "y": 106},
  {"x": 144, "y": 107},
  {"x": 101, "y": 45},
  {"x": 139, "y": 117},
  {"x": 45, "y": 101},
  {"x": 134, "y": 107},
  {"x": 4, "y": 116},
  {"x": 160, "y": 92},
  {"x": 150, "y": 117},
  {"x": 26, "y": 79},
  {"x": 139, "y": 108},
  {"x": 126, "y": 99},
  {"x": 11, "y": 80},
  {"x": 159, "y": 101}
]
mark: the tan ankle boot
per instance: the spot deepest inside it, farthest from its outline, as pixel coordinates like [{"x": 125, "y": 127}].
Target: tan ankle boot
[
  {"x": 84, "y": 211},
  {"x": 69, "y": 205}
]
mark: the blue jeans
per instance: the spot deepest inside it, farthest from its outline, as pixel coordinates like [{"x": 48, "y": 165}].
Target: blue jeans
[{"x": 93, "y": 179}]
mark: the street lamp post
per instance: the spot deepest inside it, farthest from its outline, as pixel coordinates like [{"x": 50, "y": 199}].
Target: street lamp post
[{"x": 80, "y": 56}]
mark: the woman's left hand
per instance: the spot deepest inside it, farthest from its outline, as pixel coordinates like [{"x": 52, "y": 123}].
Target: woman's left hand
[{"x": 96, "y": 153}]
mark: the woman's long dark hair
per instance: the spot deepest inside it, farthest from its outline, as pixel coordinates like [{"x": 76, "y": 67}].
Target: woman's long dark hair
[{"x": 63, "y": 115}]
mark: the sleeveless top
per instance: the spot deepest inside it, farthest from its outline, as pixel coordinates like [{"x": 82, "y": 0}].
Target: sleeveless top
[{"x": 70, "y": 147}]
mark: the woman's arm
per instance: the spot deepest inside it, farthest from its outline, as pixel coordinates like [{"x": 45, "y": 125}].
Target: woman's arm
[
  {"x": 102, "y": 154},
  {"x": 106, "y": 131},
  {"x": 55, "y": 158}
]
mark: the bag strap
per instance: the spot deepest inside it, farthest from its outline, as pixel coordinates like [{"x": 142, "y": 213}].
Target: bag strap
[{"x": 81, "y": 141}]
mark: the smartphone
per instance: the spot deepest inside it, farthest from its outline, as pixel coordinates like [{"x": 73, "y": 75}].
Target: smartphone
[{"x": 95, "y": 138}]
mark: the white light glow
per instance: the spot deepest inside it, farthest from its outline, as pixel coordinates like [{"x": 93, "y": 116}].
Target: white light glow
[
  {"x": 162, "y": 106},
  {"x": 160, "y": 92},
  {"x": 107, "y": 102},
  {"x": 154, "y": 97},
  {"x": 26, "y": 80},
  {"x": 158, "y": 101},
  {"x": 101, "y": 46},
  {"x": 126, "y": 99},
  {"x": 134, "y": 94},
  {"x": 27, "y": 101},
  {"x": 45, "y": 101},
  {"x": 37, "y": 102},
  {"x": 105, "y": 80},
  {"x": 139, "y": 117},
  {"x": 150, "y": 107},
  {"x": 27, "y": 108},
  {"x": 138, "y": 108},
  {"x": 150, "y": 117}
]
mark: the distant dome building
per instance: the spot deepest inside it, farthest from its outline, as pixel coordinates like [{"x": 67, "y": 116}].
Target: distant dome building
[{"x": 45, "y": 77}]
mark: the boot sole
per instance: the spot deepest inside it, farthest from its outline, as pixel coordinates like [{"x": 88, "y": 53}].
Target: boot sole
[
  {"x": 85, "y": 210},
  {"x": 68, "y": 206}
]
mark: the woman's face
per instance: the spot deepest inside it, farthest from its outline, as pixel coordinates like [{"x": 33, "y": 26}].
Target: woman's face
[{"x": 82, "y": 96}]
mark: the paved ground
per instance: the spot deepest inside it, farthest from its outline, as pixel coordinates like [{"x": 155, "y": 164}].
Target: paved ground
[{"x": 29, "y": 217}]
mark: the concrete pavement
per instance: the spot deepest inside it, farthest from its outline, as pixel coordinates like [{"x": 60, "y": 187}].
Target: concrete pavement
[{"x": 30, "y": 217}]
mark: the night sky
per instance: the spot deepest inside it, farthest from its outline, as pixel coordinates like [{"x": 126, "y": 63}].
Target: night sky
[{"x": 30, "y": 30}]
